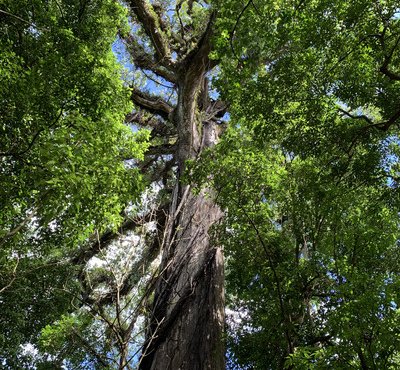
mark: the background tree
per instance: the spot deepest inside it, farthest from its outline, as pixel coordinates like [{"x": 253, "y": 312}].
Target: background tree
[{"x": 316, "y": 194}]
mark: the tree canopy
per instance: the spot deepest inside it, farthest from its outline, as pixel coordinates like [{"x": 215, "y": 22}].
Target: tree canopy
[
  {"x": 103, "y": 201},
  {"x": 315, "y": 193}
]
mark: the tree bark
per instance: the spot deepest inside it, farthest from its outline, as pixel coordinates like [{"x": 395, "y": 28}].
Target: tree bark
[{"x": 187, "y": 318}]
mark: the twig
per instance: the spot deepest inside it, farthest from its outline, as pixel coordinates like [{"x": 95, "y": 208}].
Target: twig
[{"x": 23, "y": 20}]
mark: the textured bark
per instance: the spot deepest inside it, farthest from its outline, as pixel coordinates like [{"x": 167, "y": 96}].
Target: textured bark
[{"x": 187, "y": 319}]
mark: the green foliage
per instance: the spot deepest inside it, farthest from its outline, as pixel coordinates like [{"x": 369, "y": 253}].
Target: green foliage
[
  {"x": 308, "y": 175},
  {"x": 63, "y": 152},
  {"x": 64, "y": 142},
  {"x": 300, "y": 62},
  {"x": 71, "y": 341},
  {"x": 39, "y": 294}
]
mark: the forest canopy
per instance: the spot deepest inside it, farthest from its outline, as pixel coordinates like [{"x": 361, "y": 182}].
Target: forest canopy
[{"x": 154, "y": 152}]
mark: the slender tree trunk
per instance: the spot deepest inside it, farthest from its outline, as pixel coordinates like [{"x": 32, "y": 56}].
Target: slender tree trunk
[{"x": 188, "y": 312}]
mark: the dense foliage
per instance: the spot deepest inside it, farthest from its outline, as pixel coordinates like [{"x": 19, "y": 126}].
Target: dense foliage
[
  {"x": 62, "y": 151},
  {"x": 312, "y": 259},
  {"x": 311, "y": 183}
]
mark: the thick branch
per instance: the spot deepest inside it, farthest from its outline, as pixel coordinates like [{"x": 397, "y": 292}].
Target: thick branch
[
  {"x": 142, "y": 119},
  {"x": 176, "y": 42},
  {"x": 160, "y": 128},
  {"x": 152, "y": 104},
  {"x": 382, "y": 126},
  {"x": 131, "y": 279},
  {"x": 216, "y": 110},
  {"x": 392, "y": 120},
  {"x": 102, "y": 242},
  {"x": 31, "y": 24},
  {"x": 151, "y": 24},
  {"x": 161, "y": 149},
  {"x": 361, "y": 116},
  {"x": 392, "y": 76},
  {"x": 156, "y": 169},
  {"x": 385, "y": 66}
]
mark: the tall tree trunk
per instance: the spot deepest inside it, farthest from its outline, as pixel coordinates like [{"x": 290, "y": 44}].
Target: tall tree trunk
[
  {"x": 188, "y": 312},
  {"x": 187, "y": 318}
]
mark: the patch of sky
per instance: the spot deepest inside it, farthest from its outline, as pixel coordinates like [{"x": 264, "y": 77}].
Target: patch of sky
[
  {"x": 34, "y": 31},
  {"x": 158, "y": 85},
  {"x": 145, "y": 79},
  {"x": 337, "y": 278},
  {"x": 256, "y": 281},
  {"x": 212, "y": 76},
  {"x": 390, "y": 147},
  {"x": 122, "y": 55}
]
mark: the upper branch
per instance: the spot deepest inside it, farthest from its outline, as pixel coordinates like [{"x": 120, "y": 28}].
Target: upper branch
[
  {"x": 385, "y": 66},
  {"x": 152, "y": 25},
  {"x": 100, "y": 243},
  {"x": 384, "y": 126},
  {"x": 142, "y": 119},
  {"x": 199, "y": 54},
  {"x": 381, "y": 126},
  {"x": 360, "y": 116},
  {"x": 148, "y": 254},
  {"x": 144, "y": 60}
]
